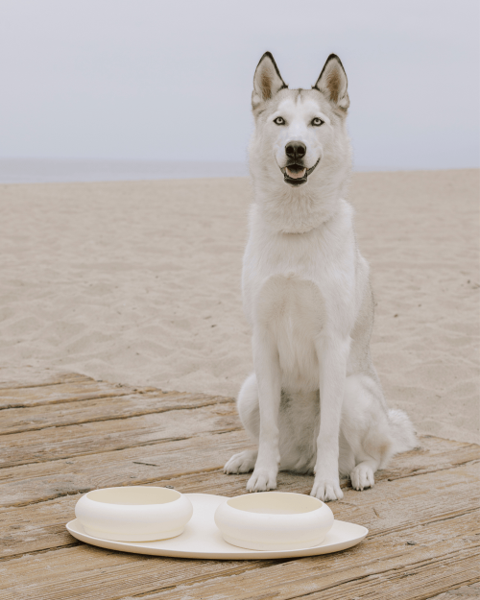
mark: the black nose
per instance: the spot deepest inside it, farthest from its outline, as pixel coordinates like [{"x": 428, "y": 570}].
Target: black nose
[{"x": 295, "y": 150}]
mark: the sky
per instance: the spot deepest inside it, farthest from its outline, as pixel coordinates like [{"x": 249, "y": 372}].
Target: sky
[{"x": 171, "y": 80}]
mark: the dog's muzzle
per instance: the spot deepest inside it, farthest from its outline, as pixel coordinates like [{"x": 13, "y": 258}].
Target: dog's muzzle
[{"x": 296, "y": 174}]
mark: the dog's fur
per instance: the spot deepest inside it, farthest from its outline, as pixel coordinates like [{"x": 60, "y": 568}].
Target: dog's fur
[{"x": 314, "y": 403}]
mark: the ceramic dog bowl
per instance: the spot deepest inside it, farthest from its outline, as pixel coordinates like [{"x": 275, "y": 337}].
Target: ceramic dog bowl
[
  {"x": 134, "y": 514},
  {"x": 274, "y": 521}
]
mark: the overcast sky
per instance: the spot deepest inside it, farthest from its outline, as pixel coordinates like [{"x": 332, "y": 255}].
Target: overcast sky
[{"x": 171, "y": 79}]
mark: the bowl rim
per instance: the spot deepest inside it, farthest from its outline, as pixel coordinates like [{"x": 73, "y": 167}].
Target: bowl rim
[
  {"x": 317, "y": 504},
  {"x": 127, "y": 488}
]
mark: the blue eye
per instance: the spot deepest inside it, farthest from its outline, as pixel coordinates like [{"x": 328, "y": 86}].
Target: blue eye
[
  {"x": 316, "y": 122},
  {"x": 279, "y": 121}
]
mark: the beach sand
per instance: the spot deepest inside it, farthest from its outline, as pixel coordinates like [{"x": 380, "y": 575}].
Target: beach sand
[{"x": 139, "y": 283}]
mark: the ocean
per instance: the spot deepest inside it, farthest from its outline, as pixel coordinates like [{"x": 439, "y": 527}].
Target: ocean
[{"x": 71, "y": 170}]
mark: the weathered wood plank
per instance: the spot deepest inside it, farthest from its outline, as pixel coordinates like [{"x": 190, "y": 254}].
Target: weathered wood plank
[
  {"x": 459, "y": 593},
  {"x": 414, "y": 582},
  {"x": 385, "y": 509},
  {"x": 432, "y": 454},
  {"x": 19, "y": 420},
  {"x": 43, "y": 481},
  {"x": 422, "y": 514},
  {"x": 382, "y": 568},
  {"x": 105, "y": 436},
  {"x": 107, "y": 573},
  {"x": 71, "y": 389},
  {"x": 415, "y": 579},
  {"x": 140, "y": 465},
  {"x": 450, "y": 544}
]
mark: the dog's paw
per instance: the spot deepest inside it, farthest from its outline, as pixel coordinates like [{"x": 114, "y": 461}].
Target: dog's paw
[
  {"x": 262, "y": 480},
  {"x": 362, "y": 477},
  {"x": 326, "y": 489},
  {"x": 243, "y": 462}
]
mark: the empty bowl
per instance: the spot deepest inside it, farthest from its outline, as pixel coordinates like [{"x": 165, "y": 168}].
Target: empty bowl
[
  {"x": 134, "y": 514},
  {"x": 274, "y": 521}
]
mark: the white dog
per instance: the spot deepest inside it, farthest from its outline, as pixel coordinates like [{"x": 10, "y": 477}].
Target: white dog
[{"x": 314, "y": 402}]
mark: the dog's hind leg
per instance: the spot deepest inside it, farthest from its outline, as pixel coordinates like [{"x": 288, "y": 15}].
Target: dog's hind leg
[
  {"x": 366, "y": 428},
  {"x": 247, "y": 405},
  {"x": 243, "y": 462}
]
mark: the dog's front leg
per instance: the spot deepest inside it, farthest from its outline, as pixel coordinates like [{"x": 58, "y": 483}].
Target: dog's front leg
[
  {"x": 332, "y": 355},
  {"x": 267, "y": 370}
]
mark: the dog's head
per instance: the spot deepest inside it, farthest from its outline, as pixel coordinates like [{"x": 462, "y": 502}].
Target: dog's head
[{"x": 295, "y": 130}]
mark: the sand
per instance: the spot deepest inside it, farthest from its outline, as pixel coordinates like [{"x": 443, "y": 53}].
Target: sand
[{"x": 139, "y": 283}]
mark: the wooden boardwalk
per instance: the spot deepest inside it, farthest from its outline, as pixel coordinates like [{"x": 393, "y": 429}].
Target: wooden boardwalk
[{"x": 61, "y": 439}]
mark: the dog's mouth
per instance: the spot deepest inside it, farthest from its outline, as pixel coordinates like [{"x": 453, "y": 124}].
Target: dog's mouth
[{"x": 297, "y": 174}]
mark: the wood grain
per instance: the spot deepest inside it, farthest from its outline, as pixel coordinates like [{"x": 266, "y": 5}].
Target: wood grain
[
  {"x": 105, "y": 408},
  {"x": 63, "y": 438}
]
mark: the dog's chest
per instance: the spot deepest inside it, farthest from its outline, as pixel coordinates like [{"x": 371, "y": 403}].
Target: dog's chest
[
  {"x": 293, "y": 310},
  {"x": 291, "y": 302}
]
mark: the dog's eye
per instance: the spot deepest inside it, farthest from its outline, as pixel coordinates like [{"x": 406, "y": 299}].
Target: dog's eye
[
  {"x": 279, "y": 121},
  {"x": 316, "y": 122}
]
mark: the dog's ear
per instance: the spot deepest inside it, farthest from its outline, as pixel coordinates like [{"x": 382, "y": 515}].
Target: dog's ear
[
  {"x": 333, "y": 82},
  {"x": 267, "y": 80}
]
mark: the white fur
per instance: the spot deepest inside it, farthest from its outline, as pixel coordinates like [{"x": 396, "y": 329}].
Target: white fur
[{"x": 314, "y": 403}]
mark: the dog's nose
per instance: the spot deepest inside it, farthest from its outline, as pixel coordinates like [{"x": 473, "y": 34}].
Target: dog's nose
[{"x": 295, "y": 150}]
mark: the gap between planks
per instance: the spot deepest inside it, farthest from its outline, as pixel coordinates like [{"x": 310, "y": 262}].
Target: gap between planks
[{"x": 137, "y": 413}]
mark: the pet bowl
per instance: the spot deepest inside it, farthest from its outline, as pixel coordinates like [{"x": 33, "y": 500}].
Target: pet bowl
[
  {"x": 134, "y": 514},
  {"x": 274, "y": 521}
]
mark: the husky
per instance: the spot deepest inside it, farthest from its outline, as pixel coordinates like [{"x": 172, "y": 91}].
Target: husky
[{"x": 314, "y": 403}]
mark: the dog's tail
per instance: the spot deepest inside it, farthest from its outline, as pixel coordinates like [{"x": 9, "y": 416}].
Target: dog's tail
[{"x": 403, "y": 433}]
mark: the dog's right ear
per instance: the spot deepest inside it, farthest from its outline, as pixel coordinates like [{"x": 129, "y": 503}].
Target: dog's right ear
[{"x": 267, "y": 80}]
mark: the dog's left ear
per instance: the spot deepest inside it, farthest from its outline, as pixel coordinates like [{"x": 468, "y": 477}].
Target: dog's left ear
[
  {"x": 267, "y": 80},
  {"x": 333, "y": 82}
]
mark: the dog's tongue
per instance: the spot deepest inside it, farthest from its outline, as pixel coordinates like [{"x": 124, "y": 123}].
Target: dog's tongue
[{"x": 296, "y": 174}]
